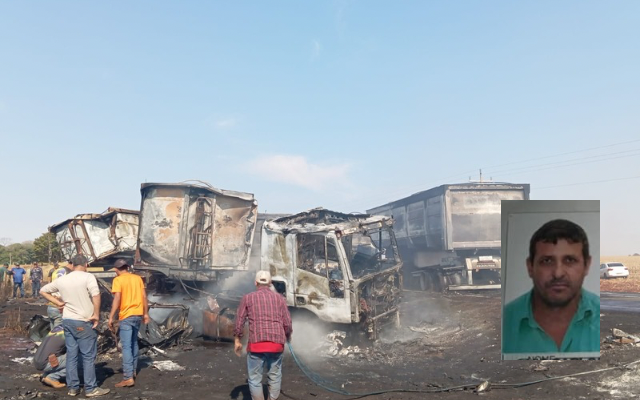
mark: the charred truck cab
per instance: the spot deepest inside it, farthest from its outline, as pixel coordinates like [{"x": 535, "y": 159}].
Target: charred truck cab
[{"x": 344, "y": 268}]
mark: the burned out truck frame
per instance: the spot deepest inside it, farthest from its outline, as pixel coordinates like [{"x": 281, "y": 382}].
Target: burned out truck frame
[
  {"x": 342, "y": 268},
  {"x": 102, "y": 238},
  {"x": 197, "y": 234},
  {"x": 336, "y": 266},
  {"x": 449, "y": 236}
]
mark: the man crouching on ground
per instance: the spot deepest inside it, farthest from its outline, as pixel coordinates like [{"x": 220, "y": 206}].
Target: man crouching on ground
[
  {"x": 50, "y": 358},
  {"x": 269, "y": 328},
  {"x": 130, "y": 301}
]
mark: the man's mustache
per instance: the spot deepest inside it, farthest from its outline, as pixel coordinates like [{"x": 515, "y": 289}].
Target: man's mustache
[{"x": 558, "y": 282}]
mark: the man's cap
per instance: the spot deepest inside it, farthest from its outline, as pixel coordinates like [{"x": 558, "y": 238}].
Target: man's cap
[
  {"x": 263, "y": 277},
  {"x": 121, "y": 263}
]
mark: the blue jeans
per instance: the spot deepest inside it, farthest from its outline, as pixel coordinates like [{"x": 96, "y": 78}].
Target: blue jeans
[
  {"x": 56, "y": 373},
  {"x": 55, "y": 318},
  {"x": 35, "y": 288},
  {"x": 256, "y": 363},
  {"x": 80, "y": 337},
  {"x": 16, "y": 286},
  {"x": 129, "y": 328}
]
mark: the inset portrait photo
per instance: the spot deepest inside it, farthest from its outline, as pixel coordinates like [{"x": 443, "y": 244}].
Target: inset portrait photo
[{"x": 550, "y": 279}]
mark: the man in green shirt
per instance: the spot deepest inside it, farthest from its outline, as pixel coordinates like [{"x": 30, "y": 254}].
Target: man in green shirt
[
  {"x": 557, "y": 315},
  {"x": 3, "y": 271}
]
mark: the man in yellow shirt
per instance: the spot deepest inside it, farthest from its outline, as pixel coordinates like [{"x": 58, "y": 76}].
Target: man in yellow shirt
[
  {"x": 56, "y": 272},
  {"x": 130, "y": 301},
  {"x": 53, "y": 312}
]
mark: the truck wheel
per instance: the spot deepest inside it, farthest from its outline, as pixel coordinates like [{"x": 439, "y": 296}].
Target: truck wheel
[
  {"x": 425, "y": 282},
  {"x": 442, "y": 284},
  {"x": 455, "y": 279}
]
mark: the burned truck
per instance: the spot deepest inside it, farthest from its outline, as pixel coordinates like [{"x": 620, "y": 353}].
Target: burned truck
[
  {"x": 449, "y": 236},
  {"x": 343, "y": 268},
  {"x": 102, "y": 238},
  {"x": 199, "y": 239}
]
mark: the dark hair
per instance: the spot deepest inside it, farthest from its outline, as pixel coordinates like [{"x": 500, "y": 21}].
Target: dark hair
[
  {"x": 79, "y": 259},
  {"x": 557, "y": 229}
]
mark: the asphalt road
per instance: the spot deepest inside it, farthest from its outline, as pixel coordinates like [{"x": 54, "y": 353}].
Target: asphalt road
[{"x": 626, "y": 302}]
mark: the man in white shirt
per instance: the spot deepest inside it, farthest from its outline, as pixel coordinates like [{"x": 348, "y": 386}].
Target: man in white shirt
[{"x": 80, "y": 304}]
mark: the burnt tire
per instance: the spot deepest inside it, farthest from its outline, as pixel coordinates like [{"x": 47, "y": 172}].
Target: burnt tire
[
  {"x": 455, "y": 279},
  {"x": 424, "y": 283},
  {"x": 428, "y": 282}
]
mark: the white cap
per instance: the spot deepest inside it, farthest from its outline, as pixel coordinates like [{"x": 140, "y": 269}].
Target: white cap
[{"x": 263, "y": 277}]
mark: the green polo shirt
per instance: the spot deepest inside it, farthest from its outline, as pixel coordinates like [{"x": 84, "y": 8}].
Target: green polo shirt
[{"x": 522, "y": 334}]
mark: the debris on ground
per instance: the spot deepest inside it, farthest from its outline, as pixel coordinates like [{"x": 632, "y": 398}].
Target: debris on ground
[
  {"x": 38, "y": 327},
  {"x": 167, "y": 365},
  {"x": 483, "y": 387},
  {"x": 424, "y": 330},
  {"x": 23, "y": 360},
  {"x": 173, "y": 330},
  {"x": 538, "y": 367},
  {"x": 335, "y": 341},
  {"x": 621, "y": 337},
  {"x": 334, "y": 346}
]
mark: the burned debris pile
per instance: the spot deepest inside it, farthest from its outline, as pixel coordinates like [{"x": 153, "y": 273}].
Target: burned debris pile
[
  {"x": 218, "y": 321},
  {"x": 174, "y": 329}
]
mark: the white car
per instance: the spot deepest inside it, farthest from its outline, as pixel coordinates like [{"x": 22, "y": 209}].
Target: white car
[{"x": 613, "y": 270}]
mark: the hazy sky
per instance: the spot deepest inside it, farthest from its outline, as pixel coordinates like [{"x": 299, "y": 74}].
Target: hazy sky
[{"x": 340, "y": 104}]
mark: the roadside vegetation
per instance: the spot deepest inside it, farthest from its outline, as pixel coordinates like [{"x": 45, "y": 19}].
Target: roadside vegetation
[{"x": 44, "y": 249}]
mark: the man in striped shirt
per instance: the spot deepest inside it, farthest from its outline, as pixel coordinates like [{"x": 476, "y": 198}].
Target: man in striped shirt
[{"x": 269, "y": 328}]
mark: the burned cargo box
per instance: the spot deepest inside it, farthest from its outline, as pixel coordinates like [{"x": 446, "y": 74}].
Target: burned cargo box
[
  {"x": 194, "y": 231},
  {"x": 102, "y": 238},
  {"x": 344, "y": 268},
  {"x": 449, "y": 236}
]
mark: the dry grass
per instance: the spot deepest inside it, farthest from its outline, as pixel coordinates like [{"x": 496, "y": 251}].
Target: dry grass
[
  {"x": 13, "y": 318},
  {"x": 6, "y": 290},
  {"x": 15, "y": 321},
  {"x": 631, "y": 284}
]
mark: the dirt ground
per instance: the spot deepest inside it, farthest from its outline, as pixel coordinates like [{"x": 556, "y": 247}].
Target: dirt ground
[{"x": 446, "y": 340}]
